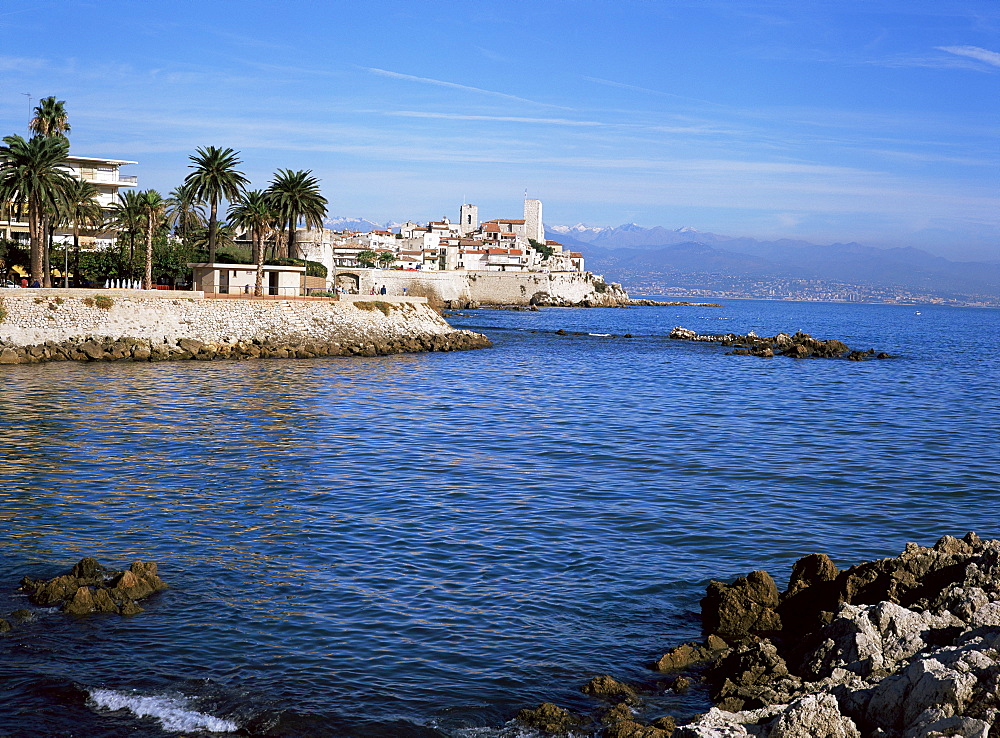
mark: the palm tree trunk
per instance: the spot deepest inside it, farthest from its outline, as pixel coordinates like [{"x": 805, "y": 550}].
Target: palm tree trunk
[
  {"x": 212, "y": 227},
  {"x": 148, "y": 280},
  {"x": 36, "y": 234},
  {"x": 47, "y": 262},
  {"x": 258, "y": 287},
  {"x": 291, "y": 238},
  {"x": 76, "y": 256}
]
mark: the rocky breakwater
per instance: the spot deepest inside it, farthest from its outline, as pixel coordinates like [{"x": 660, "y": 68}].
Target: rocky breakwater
[
  {"x": 796, "y": 345},
  {"x": 92, "y": 588},
  {"x": 904, "y": 647},
  {"x": 51, "y": 325}
]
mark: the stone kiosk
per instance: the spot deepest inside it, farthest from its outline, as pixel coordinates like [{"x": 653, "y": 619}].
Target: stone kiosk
[{"x": 231, "y": 279}]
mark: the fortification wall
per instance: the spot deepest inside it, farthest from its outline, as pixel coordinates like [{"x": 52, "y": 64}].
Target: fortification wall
[
  {"x": 500, "y": 288},
  {"x": 36, "y": 317}
]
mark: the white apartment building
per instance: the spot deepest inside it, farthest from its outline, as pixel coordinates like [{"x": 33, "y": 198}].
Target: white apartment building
[{"x": 104, "y": 174}]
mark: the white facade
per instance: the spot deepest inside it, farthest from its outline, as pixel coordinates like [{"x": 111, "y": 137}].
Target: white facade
[{"x": 104, "y": 174}]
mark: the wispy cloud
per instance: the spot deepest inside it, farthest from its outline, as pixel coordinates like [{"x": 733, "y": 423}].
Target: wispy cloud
[
  {"x": 974, "y": 52},
  {"x": 635, "y": 88},
  {"x": 495, "y": 118},
  {"x": 456, "y": 86},
  {"x": 22, "y": 64}
]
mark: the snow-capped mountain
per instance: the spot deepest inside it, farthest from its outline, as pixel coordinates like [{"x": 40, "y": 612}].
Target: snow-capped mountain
[
  {"x": 631, "y": 235},
  {"x": 579, "y": 231},
  {"x": 358, "y": 225}
]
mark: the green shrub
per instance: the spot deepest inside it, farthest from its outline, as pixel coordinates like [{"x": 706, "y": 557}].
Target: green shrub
[
  {"x": 322, "y": 293},
  {"x": 102, "y": 301},
  {"x": 373, "y": 305}
]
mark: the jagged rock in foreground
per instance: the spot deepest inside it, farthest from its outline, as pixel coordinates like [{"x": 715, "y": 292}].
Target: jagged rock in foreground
[
  {"x": 798, "y": 346},
  {"x": 90, "y": 588},
  {"x": 904, "y": 647},
  {"x": 907, "y": 647}
]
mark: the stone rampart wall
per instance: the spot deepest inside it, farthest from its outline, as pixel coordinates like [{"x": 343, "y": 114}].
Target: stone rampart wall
[{"x": 495, "y": 288}]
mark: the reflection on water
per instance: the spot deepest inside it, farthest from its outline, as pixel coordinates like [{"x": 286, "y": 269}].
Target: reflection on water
[{"x": 440, "y": 539}]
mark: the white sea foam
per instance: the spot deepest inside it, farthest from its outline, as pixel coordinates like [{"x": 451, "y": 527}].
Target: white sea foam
[{"x": 173, "y": 713}]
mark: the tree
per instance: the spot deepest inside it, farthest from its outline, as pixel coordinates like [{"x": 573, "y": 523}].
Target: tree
[
  {"x": 32, "y": 171},
  {"x": 253, "y": 213},
  {"x": 153, "y": 208},
  {"x": 385, "y": 258},
  {"x": 214, "y": 179},
  {"x": 81, "y": 210},
  {"x": 128, "y": 215},
  {"x": 50, "y": 118},
  {"x": 295, "y": 196},
  {"x": 50, "y": 121},
  {"x": 366, "y": 258},
  {"x": 185, "y": 212}
]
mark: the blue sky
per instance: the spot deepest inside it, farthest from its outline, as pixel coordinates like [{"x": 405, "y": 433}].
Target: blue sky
[{"x": 859, "y": 120}]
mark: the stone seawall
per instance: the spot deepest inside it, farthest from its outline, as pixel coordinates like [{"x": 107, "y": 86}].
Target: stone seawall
[
  {"x": 460, "y": 288},
  {"x": 91, "y": 325}
]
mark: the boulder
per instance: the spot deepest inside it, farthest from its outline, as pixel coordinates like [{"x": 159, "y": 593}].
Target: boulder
[
  {"x": 751, "y": 675},
  {"x": 606, "y": 688},
  {"x": 873, "y": 639},
  {"x": 550, "y": 718},
  {"x": 813, "y": 716},
  {"x": 90, "y": 587},
  {"x": 635, "y": 729},
  {"x": 716, "y": 723},
  {"x": 688, "y": 654},
  {"x": 745, "y": 607}
]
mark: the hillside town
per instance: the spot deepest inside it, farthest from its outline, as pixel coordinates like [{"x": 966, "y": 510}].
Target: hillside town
[{"x": 496, "y": 245}]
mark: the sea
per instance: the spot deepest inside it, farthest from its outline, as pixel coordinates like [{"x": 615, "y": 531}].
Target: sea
[{"x": 423, "y": 544}]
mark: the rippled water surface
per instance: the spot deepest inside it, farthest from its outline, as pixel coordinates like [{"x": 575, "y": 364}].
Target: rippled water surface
[{"x": 422, "y": 544}]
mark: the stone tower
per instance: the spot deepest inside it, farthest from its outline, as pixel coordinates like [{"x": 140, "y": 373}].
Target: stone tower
[
  {"x": 533, "y": 227},
  {"x": 468, "y": 219}
]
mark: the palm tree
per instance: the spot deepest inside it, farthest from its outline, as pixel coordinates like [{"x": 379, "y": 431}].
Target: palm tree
[
  {"x": 50, "y": 121},
  {"x": 31, "y": 171},
  {"x": 81, "y": 209},
  {"x": 254, "y": 214},
  {"x": 129, "y": 217},
  {"x": 50, "y": 118},
  {"x": 184, "y": 211},
  {"x": 215, "y": 178},
  {"x": 366, "y": 258},
  {"x": 153, "y": 207},
  {"x": 295, "y": 196}
]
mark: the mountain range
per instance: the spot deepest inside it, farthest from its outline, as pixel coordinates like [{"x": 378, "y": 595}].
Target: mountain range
[{"x": 634, "y": 255}]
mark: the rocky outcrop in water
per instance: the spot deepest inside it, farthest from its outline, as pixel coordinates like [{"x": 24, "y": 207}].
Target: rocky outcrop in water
[
  {"x": 90, "y": 587},
  {"x": 798, "y": 345},
  {"x": 904, "y": 647}
]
